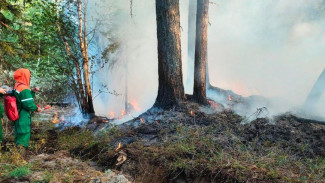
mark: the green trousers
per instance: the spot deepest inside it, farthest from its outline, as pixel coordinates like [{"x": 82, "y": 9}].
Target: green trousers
[{"x": 22, "y": 139}]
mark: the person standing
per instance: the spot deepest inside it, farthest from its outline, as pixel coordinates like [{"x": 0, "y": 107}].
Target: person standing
[{"x": 25, "y": 104}]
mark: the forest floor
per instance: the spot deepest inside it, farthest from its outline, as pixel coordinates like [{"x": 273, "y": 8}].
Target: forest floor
[
  {"x": 48, "y": 158},
  {"x": 189, "y": 143}
]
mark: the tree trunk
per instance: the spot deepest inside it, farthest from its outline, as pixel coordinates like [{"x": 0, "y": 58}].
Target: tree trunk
[
  {"x": 171, "y": 88},
  {"x": 201, "y": 43},
  {"x": 81, "y": 93},
  {"x": 191, "y": 45},
  {"x": 85, "y": 58}
]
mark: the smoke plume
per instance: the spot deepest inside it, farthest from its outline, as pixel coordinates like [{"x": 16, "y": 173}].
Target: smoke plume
[{"x": 272, "y": 48}]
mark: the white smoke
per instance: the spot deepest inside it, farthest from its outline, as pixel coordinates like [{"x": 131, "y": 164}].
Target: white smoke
[
  {"x": 272, "y": 48},
  {"x": 138, "y": 48}
]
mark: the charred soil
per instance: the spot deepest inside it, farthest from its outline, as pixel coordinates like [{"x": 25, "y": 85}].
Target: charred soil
[
  {"x": 188, "y": 143},
  {"x": 193, "y": 143}
]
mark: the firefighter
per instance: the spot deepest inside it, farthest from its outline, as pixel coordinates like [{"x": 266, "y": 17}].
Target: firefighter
[
  {"x": 25, "y": 104},
  {"x": 2, "y": 92}
]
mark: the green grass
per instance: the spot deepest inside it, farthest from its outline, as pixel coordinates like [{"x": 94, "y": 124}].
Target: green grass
[
  {"x": 19, "y": 172},
  {"x": 194, "y": 151},
  {"x": 68, "y": 141},
  {"x": 197, "y": 153}
]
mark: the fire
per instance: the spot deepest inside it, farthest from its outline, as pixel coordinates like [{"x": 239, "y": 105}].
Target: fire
[
  {"x": 141, "y": 120},
  {"x": 192, "y": 113},
  {"x": 213, "y": 104},
  {"x": 229, "y": 98},
  {"x": 123, "y": 113},
  {"x": 56, "y": 119},
  {"x": 112, "y": 115},
  {"x": 135, "y": 105},
  {"x": 119, "y": 146}
]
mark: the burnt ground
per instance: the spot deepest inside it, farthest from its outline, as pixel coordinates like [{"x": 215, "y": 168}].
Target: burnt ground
[
  {"x": 192, "y": 143},
  {"x": 189, "y": 143}
]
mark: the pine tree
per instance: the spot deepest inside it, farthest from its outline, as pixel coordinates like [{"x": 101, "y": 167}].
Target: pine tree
[
  {"x": 171, "y": 88},
  {"x": 202, "y": 20}
]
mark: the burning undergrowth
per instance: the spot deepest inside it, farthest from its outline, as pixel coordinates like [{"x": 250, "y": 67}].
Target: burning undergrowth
[{"x": 196, "y": 143}]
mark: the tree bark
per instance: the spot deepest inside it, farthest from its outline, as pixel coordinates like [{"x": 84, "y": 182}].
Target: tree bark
[
  {"x": 171, "y": 88},
  {"x": 85, "y": 58},
  {"x": 202, "y": 20},
  {"x": 191, "y": 45}
]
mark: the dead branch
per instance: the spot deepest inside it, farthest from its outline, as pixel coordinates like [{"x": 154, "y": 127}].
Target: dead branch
[{"x": 7, "y": 26}]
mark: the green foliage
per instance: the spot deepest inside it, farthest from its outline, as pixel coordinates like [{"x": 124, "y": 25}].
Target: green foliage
[
  {"x": 74, "y": 139},
  {"x": 19, "y": 172},
  {"x": 29, "y": 38},
  {"x": 10, "y": 13}
]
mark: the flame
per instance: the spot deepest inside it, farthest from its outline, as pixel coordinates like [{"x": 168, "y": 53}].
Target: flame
[
  {"x": 123, "y": 113},
  {"x": 229, "y": 98},
  {"x": 56, "y": 119},
  {"x": 192, "y": 113},
  {"x": 213, "y": 104},
  {"x": 112, "y": 115},
  {"x": 119, "y": 146},
  {"x": 141, "y": 120},
  {"x": 135, "y": 105}
]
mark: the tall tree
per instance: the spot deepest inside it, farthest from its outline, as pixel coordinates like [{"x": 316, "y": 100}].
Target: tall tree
[
  {"x": 74, "y": 38},
  {"x": 202, "y": 20},
  {"x": 77, "y": 83},
  {"x": 171, "y": 88},
  {"x": 89, "y": 108}
]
